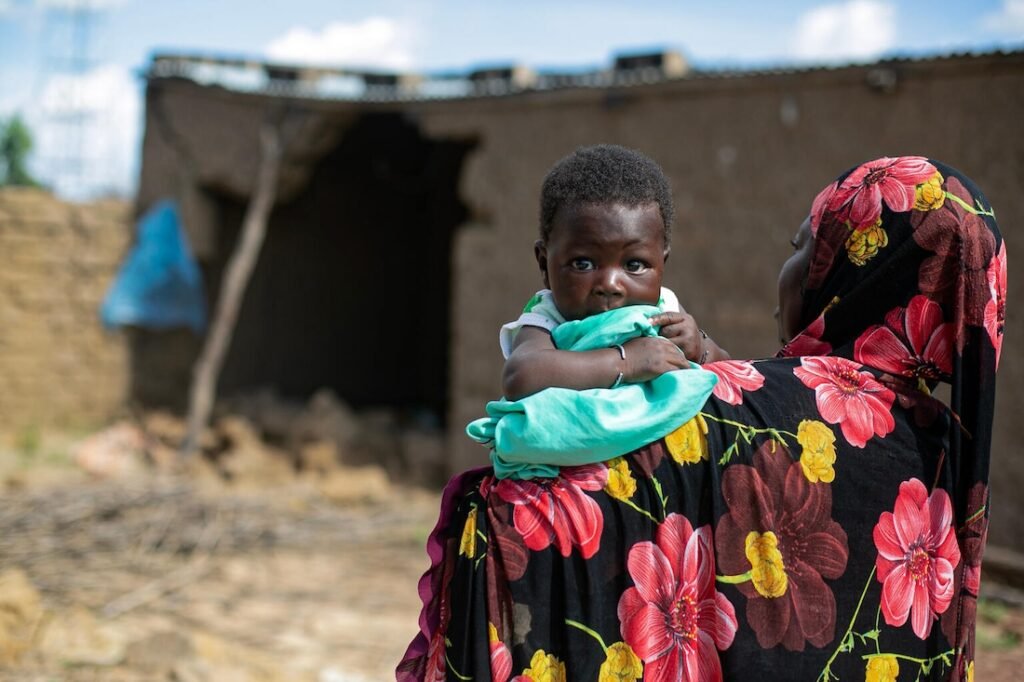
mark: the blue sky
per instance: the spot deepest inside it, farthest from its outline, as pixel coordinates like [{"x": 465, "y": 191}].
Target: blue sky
[{"x": 425, "y": 35}]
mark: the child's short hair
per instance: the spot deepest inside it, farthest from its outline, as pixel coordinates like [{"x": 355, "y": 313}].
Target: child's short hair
[{"x": 605, "y": 173}]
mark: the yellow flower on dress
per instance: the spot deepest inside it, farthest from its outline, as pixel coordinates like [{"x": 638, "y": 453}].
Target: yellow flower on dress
[
  {"x": 970, "y": 672},
  {"x": 689, "y": 443},
  {"x": 621, "y": 485},
  {"x": 864, "y": 242},
  {"x": 492, "y": 632},
  {"x": 882, "y": 669},
  {"x": 468, "y": 544},
  {"x": 767, "y": 570},
  {"x": 819, "y": 451},
  {"x": 929, "y": 195},
  {"x": 545, "y": 668},
  {"x": 621, "y": 665},
  {"x": 831, "y": 304}
]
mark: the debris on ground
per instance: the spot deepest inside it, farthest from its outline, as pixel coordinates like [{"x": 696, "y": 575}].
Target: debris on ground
[{"x": 259, "y": 440}]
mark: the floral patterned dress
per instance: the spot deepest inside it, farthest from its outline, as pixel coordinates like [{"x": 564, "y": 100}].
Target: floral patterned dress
[{"x": 822, "y": 518}]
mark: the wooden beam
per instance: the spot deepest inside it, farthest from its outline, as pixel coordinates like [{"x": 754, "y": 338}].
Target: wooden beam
[{"x": 239, "y": 269}]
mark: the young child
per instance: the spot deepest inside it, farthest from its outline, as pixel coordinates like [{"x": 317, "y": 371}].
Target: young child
[{"x": 605, "y": 228}]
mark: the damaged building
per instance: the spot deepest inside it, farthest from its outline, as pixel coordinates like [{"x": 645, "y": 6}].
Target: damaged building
[{"x": 406, "y": 206}]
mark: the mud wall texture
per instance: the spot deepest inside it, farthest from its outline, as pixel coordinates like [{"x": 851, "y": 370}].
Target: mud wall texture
[
  {"x": 745, "y": 153},
  {"x": 745, "y": 157},
  {"x": 58, "y": 366}
]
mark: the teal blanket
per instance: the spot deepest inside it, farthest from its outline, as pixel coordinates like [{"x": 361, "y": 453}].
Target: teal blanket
[{"x": 532, "y": 437}]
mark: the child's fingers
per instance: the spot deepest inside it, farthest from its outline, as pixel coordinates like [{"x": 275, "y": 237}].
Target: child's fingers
[
  {"x": 662, "y": 319},
  {"x": 671, "y": 331}
]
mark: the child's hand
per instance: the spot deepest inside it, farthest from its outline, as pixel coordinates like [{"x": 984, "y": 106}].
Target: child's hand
[
  {"x": 681, "y": 329},
  {"x": 649, "y": 357}
]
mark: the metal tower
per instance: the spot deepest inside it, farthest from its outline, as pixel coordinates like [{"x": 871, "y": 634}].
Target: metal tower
[{"x": 65, "y": 115}]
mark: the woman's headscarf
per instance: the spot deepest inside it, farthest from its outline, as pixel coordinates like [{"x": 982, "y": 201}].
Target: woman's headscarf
[{"x": 908, "y": 275}]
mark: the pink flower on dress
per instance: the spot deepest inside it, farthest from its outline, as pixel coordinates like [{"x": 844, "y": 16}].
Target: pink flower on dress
[
  {"x": 437, "y": 668},
  {"x": 859, "y": 197},
  {"x": 849, "y": 397},
  {"x": 674, "y": 618},
  {"x": 819, "y": 205},
  {"x": 914, "y": 342},
  {"x": 995, "y": 309},
  {"x": 917, "y": 552},
  {"x": 808, "y": 342},
  {"x": 734, "y": 377},
  {"x": 556, "y": 510},
  {"x": 501, "y": 661}
]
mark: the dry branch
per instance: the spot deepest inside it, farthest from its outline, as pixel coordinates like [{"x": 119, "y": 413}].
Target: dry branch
[{"x": 239, "y": 269}]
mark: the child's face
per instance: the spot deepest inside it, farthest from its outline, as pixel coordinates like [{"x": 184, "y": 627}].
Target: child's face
[{"x": 603, "y": 256}]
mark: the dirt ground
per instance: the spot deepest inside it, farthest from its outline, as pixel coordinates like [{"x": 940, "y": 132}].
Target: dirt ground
[
  {"x": 171, "y": 578},
  {"x": 164, "y": 581}
]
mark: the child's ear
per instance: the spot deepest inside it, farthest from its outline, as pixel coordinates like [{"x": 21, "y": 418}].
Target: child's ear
[{"x": 540, "y": 251}]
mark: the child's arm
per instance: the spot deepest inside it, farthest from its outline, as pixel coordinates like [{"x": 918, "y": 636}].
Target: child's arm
[
  {"x": 682, "y": 330},
  {"x": 535, "y": 364}
]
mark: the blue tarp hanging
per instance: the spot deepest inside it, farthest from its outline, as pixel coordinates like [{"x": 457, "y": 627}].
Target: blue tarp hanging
[{"x": 159, "y": 285}]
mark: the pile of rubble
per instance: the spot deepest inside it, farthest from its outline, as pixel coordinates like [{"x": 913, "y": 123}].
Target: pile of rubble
[{"x": 261, "y": 440}]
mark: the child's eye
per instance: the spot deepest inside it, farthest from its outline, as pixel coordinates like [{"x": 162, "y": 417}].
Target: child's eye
[
  {"x": 636, "y": 266},
  {"x": 582, "y": 264}
]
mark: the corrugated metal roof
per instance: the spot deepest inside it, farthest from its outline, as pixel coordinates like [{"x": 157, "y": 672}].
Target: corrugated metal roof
[{"x": 324, "y": 83}]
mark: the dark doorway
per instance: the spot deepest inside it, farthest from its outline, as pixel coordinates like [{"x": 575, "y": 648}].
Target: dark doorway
[{"x": 351, "y": 291}]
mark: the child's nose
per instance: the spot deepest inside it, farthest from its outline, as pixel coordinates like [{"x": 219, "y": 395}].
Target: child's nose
[{"x": 609, "y": 283}]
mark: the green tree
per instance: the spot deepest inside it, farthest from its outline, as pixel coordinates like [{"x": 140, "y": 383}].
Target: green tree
[{"x": 15, "y": 145}]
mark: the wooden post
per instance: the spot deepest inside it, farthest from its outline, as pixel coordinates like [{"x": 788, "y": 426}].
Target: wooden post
[{"x": 236, "y": 278}]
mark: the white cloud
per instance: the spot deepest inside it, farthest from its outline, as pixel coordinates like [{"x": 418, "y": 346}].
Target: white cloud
[
  {"x": 376, "y": 42},
  {"x": 855, "y": 30},
  {"x": 1008, "y": 20},
  {"x": 87, "y": 132}
]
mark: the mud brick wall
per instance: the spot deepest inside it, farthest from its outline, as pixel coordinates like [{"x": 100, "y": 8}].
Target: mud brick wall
[
  {"x": 58, "y": 366},
  {"x": 745, "y": 156}
]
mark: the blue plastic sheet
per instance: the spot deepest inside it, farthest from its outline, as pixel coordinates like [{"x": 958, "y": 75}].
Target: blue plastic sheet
[{"x": 159, "y": 285}]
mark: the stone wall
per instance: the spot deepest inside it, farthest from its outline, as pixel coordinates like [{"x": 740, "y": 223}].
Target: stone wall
[{"x": 58, "y": 366}]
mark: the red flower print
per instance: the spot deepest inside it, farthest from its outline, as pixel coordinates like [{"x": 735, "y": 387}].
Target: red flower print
[
  {"x": 963, "y": 247},
  {"x": 995, "y": 309},
  {"x": 913, "y": 342},
  {"x": 859, "y": 197},
  {"x": 437, "y": 669},
  {"x": 849, "y": 397},
  {"x": 501, "y": 657},
  {"x": 556, "y": 510},
  {"x": 649, "y": 457},
  {"x": 808, "y": 342},
  {"x": 917, "y": 552},
  {"x": 674, "y": 618},
  {"x": 734, "y": 377},
  {"x": 773, "y": 499},
  {"x": 819, "y": 204}
]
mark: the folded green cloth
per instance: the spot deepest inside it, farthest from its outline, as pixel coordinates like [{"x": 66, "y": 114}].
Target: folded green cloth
[{"x": 534, "y": 436}]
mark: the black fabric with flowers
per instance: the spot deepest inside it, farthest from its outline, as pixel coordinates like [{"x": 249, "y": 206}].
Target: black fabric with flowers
[{"x": 822, "y": 518}]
